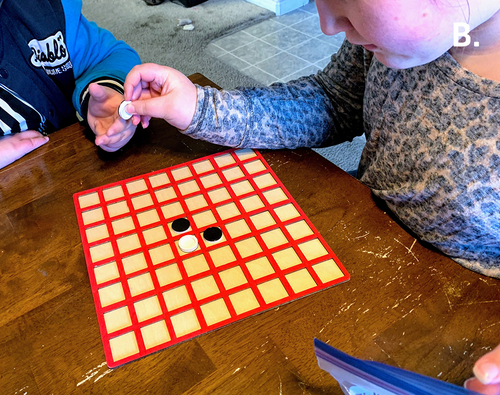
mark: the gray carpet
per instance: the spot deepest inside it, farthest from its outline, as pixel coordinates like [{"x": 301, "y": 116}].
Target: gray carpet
[{"x": 154, "y": 33}]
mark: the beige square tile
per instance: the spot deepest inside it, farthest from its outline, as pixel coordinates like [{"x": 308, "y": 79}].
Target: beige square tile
[
  {"x": 248, "y": 247},
  {"x": 215, "y": 312},
  {"x": 97, "y": 233},
  {"x": 264, "y": 180},
  {"x": 168, "y": 274},
  {"x": 203, "y": 166},
  {"x": 300, "y": 280},
  {"x": 313, "y": 249},
  {"x": 222, "y": 256},
  {"x": 176, "y": 297},
  {"x": 228, "y": 211},
  {"x": 224, "y": 160},
  {"x": 233, "y": 173},
  {"x": 210, "y": 180},
  {"x": 154, "y": 235},
  {"x": 148, "y": 217},
  {"x": 219, "y": 195},
  {"x": 161, "y": 254},
  {"x": 259, "y": 268},
  {"x": 275, "y": 195},
  {"x": 185, "y": 323},
  {"x": 112, "y": 193},
  {"x": 118, "y": 208},
  {"x": 245, "y": 153},
  {"x": 195, "y": 265},
  {"x": 155, "y": 334},
  {"x": 134, "y": 263},
  {"x": 196, "y": 202},
  {"x": 172, "y": 210},
  {"x": 244, "y": 301},
  {"x": 188, "y": 187},
  {"x": 205, "y": 287},
  {"x": 92, "y": 216},
  {"x": 142, "y": 201},
  {"x": 237, "y": 228},
  {"x": 272, "y": 290},
  {"x": 162, "y": 195},
  {"x": 106, "y": 272},
  {"x": 122, "y": 225},
  {"x": 128, "y": 243},
  {"x": 88, "y": 200},
  {"x": 181, "y": 173},
  {"x": 148, "y": 308},
  {"x": 242, "y": 187},
  {"x": 232, "y": 278},
  {"x": 255, "y": 166},
  {"x": 286, "y": 212},
  {"x": 117, "y": 319},
  {"x": 140, "y": 284},
  {"x": 159, "y": 180},
  {"x": 328, "y": 271},
  {"x": 274, "y": 238},
  {"x": 123, "y": 346},
  {"x": 299, "y": 229},
  {"x": 252, "y": 203},
  {"x": 204, "y": 218},
  {"x": 262, "y": 220},
  {"x": 101, "y": 251},
  {"x": 136, "y": 186},
  {"x": 111, "y": 294},
  {"x": 286, "y": 258}
]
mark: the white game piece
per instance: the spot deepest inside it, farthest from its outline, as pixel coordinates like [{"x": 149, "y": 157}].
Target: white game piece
[
  {"x": 188, "y": 243},
  {"x": 122, "y": 110}
]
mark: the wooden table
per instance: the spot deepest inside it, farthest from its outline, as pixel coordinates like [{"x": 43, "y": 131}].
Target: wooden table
[{"x": 405, "y": 305}]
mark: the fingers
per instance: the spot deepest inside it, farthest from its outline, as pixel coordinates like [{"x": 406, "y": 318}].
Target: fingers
[
  {"x": 97, "y": 92},
  {"x": 487, "y": 368},
  {"x": 475, "y": 385}
]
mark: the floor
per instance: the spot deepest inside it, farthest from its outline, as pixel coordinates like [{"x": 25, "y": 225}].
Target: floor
[{"x": 279, "y": 49}]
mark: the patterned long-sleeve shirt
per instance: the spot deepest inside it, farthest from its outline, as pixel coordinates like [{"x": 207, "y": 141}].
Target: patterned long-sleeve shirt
[{"x": 433, "y": 140}]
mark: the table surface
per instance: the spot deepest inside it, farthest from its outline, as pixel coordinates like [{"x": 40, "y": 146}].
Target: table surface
[{"x": 405, "y": 305}]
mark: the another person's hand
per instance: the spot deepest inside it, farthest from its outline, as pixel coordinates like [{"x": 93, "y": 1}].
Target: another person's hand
[
  {"x": 487, "y": 374},
  {"x": 15, "y": 146},
  {"x": 111, "y": 130},
  {"x": 160, "y": 92}
]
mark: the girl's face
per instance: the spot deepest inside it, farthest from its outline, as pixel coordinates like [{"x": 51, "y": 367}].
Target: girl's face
[{"x": 401, "y": 33}]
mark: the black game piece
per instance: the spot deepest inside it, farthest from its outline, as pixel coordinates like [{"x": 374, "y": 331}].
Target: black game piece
[
  {"x": 212, "y": 234},
  {"x": 181, "y": 225}
]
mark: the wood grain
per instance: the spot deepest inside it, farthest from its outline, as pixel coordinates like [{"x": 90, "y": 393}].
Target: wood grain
[{"x": 405, "y": 304}]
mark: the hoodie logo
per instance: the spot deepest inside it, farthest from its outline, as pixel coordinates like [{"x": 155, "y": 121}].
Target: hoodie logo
[{"x": 50, "y": 53}]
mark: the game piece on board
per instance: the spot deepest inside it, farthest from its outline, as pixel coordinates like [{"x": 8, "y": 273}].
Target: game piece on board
[
  {"x": 181, "y": 225},
  {"x": 122, "y": 110},
  {"x": 151, "y": 294},
  {"x": 212, "y": 234},
  {"x": 188, "y": 243}
]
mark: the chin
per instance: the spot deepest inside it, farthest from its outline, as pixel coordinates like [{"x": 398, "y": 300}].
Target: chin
[{"x": 398, "y": 61}]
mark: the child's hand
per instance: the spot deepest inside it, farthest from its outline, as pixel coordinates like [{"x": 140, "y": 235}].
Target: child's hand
[
  {"x": 13, "y": 147},
  {"x": 160, "y": 92},
  {"x": 111, "y": 130},
  {"x": 487, "y": 372}
]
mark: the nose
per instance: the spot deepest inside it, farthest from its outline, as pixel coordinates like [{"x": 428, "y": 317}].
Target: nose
[{"x": 331, "y": 20}]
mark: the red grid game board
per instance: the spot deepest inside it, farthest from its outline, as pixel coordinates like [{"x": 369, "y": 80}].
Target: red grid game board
[{"x": 150, "y": 294}]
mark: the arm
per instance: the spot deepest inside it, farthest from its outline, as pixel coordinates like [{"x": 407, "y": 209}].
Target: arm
[{"x": 98, "y": 57}]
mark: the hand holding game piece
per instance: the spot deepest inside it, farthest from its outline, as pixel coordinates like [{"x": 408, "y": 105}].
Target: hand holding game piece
[
  {"x": 13, "y": 147},
  {"x": 160, "y": 92},
  {"x": 111, "y": 130},
  {"x": 487, "y": 374}
]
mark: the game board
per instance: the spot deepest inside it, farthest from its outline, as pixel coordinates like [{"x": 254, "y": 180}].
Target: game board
[{"x": 150, "y": 294}]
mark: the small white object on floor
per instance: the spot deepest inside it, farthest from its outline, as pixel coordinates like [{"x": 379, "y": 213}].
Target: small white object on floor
[
  {"x": 188, "y": 27},
  {"x": 122, "y": 110},
  {"x": 183, "y": 22},
  {"x": 188, "y": 243}
]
